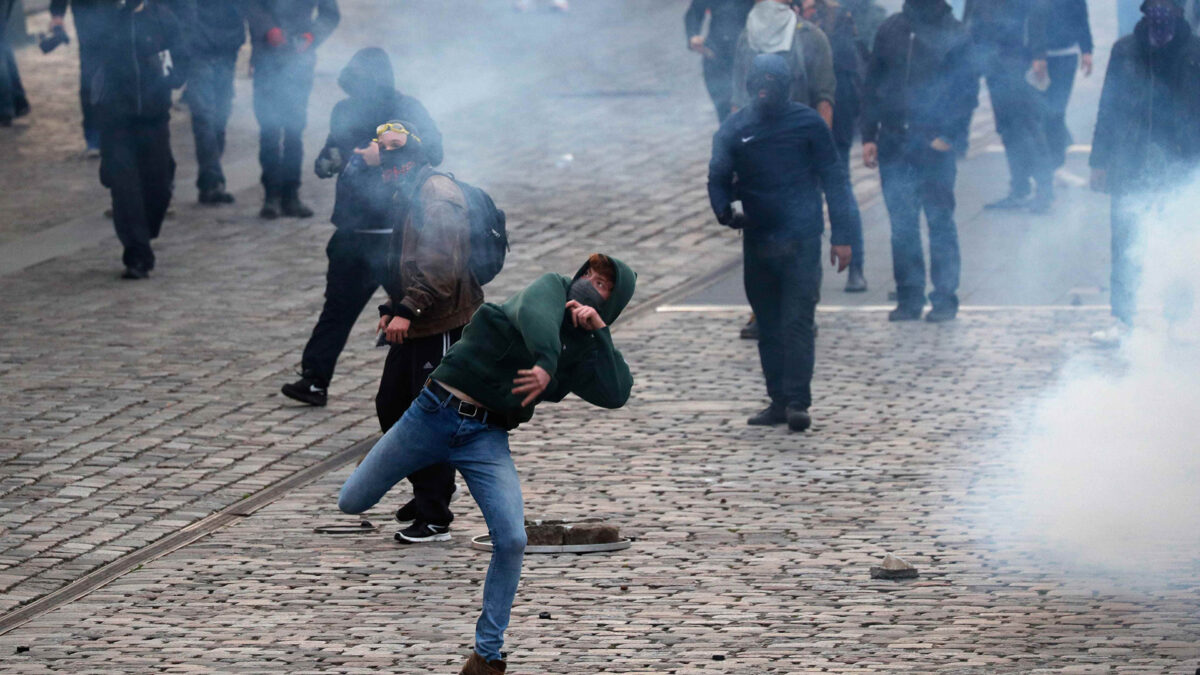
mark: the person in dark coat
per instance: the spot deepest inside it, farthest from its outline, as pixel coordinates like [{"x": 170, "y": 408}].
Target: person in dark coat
[
  {"x": 727, "y": 18},
  {"x": 999, "y": 31},
  {"x": 1147, "y": 138},
  {"x": 784, "y": 157},
  {"x": 358, "y": 249},
  {"x": 838, "y": 24},
  {"x": 92, "y": 23},
  {"x": 13, "y": 102},
  {"x": 215, "y": 36},
  {"x": 1060, "y": 39},
  {"x": 920, "y": 92},
  {"x": 285, "y": 35},
  {"x": 142, "y": 60}
]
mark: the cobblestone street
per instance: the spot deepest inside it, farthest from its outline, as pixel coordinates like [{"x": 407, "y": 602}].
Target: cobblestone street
[{"x": 132, "y": 411}]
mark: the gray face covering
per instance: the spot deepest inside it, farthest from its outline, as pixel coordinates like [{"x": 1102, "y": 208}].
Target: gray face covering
[{"x": 585, "y": 293}]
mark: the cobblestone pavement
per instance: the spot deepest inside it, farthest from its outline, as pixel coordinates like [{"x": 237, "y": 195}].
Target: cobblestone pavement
[{"x": 752, "y": 545}]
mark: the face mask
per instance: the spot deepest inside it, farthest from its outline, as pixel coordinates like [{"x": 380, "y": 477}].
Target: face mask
[
  {"x": 777, "y": 92},
  {"x": 1161, "y": 20},
  {"x": 583, "y": 292}
]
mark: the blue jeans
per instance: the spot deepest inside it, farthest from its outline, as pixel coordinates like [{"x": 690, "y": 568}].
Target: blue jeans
[
  {"x": 916, "y": 179},
  {"x": 431, "y": 433}
]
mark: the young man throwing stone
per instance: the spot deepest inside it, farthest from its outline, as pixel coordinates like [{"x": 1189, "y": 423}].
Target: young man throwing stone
[{"x": 549, "y": 340}]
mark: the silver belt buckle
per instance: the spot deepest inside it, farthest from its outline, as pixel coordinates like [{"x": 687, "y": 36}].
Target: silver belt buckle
[{"x": 463, "y": 405}]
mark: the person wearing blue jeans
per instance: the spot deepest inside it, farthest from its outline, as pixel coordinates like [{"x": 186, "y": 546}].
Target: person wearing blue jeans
[{"x": 549, "y": 340}]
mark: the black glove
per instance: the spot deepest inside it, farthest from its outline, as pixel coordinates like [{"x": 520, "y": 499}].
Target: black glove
[
  {"x": 738, "y": 221},
  {"x": 328, "y": 163}
]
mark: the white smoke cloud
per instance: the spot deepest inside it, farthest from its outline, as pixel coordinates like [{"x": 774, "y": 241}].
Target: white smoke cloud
[{"x": 1111, "y": 477}]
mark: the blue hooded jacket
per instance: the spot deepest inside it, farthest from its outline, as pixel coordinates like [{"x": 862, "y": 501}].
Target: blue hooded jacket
[{"x": 784, "y": 158}]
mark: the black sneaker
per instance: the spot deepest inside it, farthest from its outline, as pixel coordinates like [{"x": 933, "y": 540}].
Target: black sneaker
[
  {"x": 750, "y": 330},
  {"x": 292, "y": 207},
  {"x": 772, "y": 415},
  {"x": 798, "y": 418},
  {"x": 941, "y": 314},
  {"x": 407, "y": 515},
  {"x": 423, "y": 533},
  {"x": 1012, "y": 201},
  {"x": 216, "y": 195},
  {"x": 905, "y": 313},
  {"x": 134, "y": 273},
  {"x": 307, "y": 390},
  {"x": 271, "y": 209}
]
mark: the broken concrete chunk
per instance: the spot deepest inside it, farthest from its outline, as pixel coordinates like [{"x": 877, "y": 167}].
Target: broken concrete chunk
[
  {"x": 894, "y": 568},
  {"x": 543, "y": 534},
  {"x": 590, "y": 533}
]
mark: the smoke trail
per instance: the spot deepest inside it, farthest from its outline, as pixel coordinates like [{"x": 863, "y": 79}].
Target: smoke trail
[{"x": 1112, "y": 475}]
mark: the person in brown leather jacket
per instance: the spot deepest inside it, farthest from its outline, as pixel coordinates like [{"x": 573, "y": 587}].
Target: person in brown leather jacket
[{"x": 431, "y": 296}]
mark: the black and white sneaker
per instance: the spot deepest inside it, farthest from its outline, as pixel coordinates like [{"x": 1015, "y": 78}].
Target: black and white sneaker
[
  {"x": 407, "y": 515},
  {"x": 307, "y": 390},
  {"x": 423, "y": 533}
]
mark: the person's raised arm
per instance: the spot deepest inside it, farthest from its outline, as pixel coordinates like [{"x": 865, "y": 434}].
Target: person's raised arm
[{"x": 602, "y": 378}]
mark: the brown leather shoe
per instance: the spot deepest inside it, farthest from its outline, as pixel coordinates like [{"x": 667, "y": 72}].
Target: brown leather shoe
[{"x": 476, "y": 665}]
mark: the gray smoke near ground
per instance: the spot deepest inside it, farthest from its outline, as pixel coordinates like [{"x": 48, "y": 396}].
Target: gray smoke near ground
[{"x": 1111, "y": 477}]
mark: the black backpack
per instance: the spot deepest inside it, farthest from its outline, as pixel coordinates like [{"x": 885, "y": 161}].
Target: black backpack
[{"x": 489, "y": 236}]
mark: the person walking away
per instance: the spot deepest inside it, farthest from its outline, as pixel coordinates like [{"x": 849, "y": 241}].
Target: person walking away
[
  {"x": 727, "y": 19},
  {"x": 920, "y": 93},
  {"x": 1147, "y": 140},
  {"x": 13, "y": 103},
  {"x": 284, "y": 36},
  {"x": 784, "y": 157},
  {"x": 142, "y": 60},
  {"x": 357, "y": 250},
  {"x": 998, "y": 29},
  {"x": 93, "y": 24},
  {"x": 838, "y": 25},
  {"x": 1061, "y": 42},
  {"x": 549, "y": 340},
  {"x": 216, "y": 35},
  {"x": 432, "y": 293}
]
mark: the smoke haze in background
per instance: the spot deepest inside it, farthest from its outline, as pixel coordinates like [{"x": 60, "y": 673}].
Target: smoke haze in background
[{"x": 1111, "y": 476}]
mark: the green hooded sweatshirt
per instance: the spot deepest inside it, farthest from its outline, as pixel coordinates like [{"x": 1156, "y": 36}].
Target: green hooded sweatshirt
[{"x": 528, "y": 330}]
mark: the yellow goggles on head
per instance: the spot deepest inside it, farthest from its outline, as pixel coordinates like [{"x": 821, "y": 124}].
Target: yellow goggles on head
[{"x": 396, "y": 127}]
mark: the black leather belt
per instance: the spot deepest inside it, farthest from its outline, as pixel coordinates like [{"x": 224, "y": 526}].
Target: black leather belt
[{"x": 466, "y": 408}]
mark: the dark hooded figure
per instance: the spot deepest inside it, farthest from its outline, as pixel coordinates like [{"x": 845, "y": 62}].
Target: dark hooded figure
[
  {"x": 1147, "y": 137},
  {"x": 358, "y": 249},
  {"x": 784, "y": 157},
  {"x": 549, "y": 340},
  {"x": 920, "y": 92}
]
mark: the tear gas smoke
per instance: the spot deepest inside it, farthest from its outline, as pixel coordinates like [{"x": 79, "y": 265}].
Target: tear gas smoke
[{"x": 1111, "y": 475}]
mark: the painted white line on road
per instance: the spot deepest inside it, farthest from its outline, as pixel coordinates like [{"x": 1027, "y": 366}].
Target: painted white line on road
[{"x": 716, "y": 309}]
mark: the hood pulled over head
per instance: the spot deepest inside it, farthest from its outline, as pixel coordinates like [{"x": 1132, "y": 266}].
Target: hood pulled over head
[
  {"x": 771, "y": 75},
  {"x": 368, "y": 75},
  {"x": 926, "y": 11},
  {"x": 622, "y": 290}
]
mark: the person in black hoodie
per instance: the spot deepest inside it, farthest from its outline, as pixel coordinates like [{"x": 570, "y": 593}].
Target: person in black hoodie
[
  {"x": 358, "y": 249},
  {"x": 727, "y": 19},
  {"x": 215, "y": 36},
  {"x": 92, "y": 23},
  {"x": 1147, "y": 139},
  {"x": 999, "y": 30},
  {"x": 1061, "y": 41},
  {"x": 920, "y": 92},
  {"x": 142, "y": 60},
  {"x": 784, "y": 157},
  {"x": 285, "y": 35}
]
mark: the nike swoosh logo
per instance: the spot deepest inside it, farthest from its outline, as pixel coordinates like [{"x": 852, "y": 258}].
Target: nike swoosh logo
[
  {"x": 315, "y": 389},
  {"x": 747, "y": 139}
]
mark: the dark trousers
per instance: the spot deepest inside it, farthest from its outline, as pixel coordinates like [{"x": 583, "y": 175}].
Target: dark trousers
[
  {"x": 1054, "y": 106},
  {"x": 137, "y": 167},
  {"x": 357, "y": 267},
  {"x": 1126, "y": 267},
  {"x": 90, "y": 31},
  {"x": 281, "y": 89},
  {"x": 718, "y": 79},
  {"x": 12, "y": 94},
  {"x": 857, "y": 247},
  {"x": 210, "y": 97},
  {"x": 407, "y": 367},
  {"x": 916, "y": 179},
  {"x": 783, "y": 284},
  {"x": 1019, "y": 121}
]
